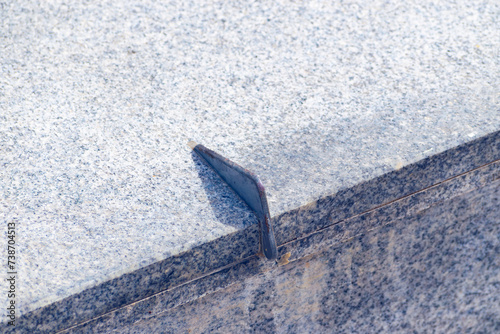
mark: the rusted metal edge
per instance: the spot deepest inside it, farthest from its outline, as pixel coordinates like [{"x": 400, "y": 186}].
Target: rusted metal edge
[{"x": 249, "y": 188}]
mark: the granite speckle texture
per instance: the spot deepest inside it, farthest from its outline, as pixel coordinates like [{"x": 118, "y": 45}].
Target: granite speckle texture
[
  {"x": 303, "y": 248},
  {"x": 98, "y": 101},
  {"x": 436, "y": 268}
]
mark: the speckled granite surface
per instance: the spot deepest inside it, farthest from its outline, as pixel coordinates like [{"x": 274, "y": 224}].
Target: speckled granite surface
[
  {"x": 434, "y": 269},
  {"x": 171, "y": 275},
  {"x": 98, "y": 101}
]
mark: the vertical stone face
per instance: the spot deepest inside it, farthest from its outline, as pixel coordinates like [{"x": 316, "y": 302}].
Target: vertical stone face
[
  {"x": 262, "y": 294},
  {"x": 437, "y": 269}
]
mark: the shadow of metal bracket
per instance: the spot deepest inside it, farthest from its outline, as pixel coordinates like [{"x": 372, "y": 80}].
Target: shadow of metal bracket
[{"x": 249, "y": 188}]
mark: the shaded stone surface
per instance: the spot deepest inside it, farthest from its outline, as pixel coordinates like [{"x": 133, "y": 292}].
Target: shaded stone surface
[
  {"x": 437, "y": 269},
  {"x": 305, "y": 247}
]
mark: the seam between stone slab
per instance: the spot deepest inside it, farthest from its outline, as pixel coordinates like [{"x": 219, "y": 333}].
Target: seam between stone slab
[
  {"x": 174, "y": 270},
  {"x": 495, "y": 165},
  {"x": 412, "y": 204},
  {"x": 386, "y": 188},
  {"x": 188, "y": 284},
  {"x": 294, "y": 224},
  {"x": 307, "y": 246}
]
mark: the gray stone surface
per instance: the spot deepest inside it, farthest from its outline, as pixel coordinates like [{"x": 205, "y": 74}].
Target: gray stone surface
[
  {"x": 98, "y": 101},
  {"x": 424, "y": 266},
  {"x": 437, "y": 270},
  {"x": 166, "y": 276}
]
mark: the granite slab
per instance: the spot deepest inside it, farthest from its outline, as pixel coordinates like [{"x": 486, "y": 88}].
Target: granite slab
[
  {"x": 343, "y": 105},
  {"x": 425, "y": 262},
  {"x": 176, "y": 291},
  {"x": 436, "y": 270}
]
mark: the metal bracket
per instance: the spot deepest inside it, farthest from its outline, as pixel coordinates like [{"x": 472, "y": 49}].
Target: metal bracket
[{"x": 249, "y": 188}]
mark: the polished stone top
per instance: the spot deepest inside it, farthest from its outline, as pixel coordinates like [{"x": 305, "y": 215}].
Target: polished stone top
[{"x": 99, "y": 99}]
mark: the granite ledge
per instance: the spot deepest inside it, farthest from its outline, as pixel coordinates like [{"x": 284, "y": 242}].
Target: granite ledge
[
  {"x": 478, "y": 157},
  {"x": 331, "y": 239}
]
